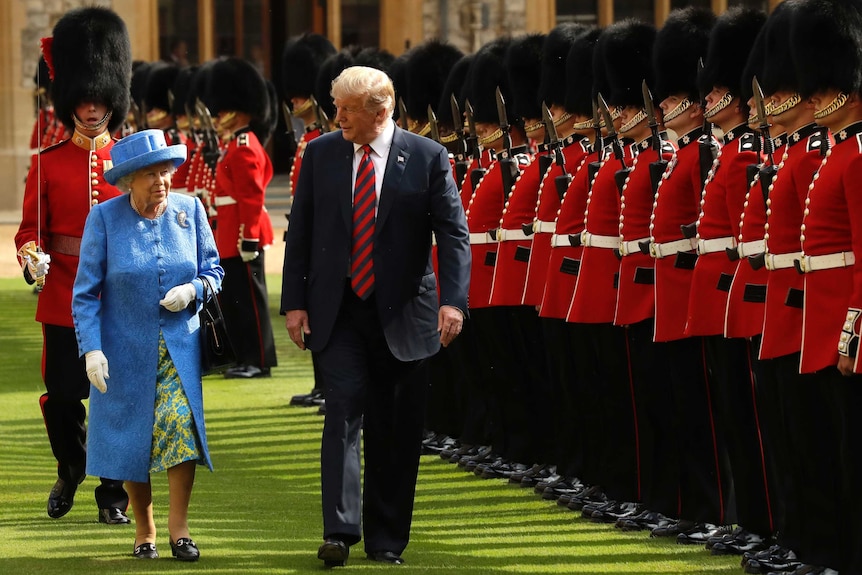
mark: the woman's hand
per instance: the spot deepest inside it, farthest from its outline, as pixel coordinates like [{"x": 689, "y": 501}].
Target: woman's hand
[
  {"x": 179, "y": 297},
  {"x": 97, "y": 369}
]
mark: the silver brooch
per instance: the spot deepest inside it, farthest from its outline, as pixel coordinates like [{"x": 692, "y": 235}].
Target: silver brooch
[{"x": 182, "y": 219}]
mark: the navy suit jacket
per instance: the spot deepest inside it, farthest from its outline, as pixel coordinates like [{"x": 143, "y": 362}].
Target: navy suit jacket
[{"x": 418, "y": 197}]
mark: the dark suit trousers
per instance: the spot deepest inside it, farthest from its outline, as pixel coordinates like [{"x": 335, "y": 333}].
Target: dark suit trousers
[{"x": 367, "y": 387}]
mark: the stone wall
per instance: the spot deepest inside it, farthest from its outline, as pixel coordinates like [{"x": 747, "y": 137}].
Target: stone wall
[{"x": 469, "y": 24}]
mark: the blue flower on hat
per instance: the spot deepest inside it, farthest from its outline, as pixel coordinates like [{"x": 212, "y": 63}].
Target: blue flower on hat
[{"x": 140, "y": 150}]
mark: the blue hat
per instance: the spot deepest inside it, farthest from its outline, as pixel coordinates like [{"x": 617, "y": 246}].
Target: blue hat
[{"x": 140, "y": 150}]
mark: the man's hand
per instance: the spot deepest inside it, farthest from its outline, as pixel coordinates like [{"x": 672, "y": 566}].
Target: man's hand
[
  {"x": 298, "y": 327},
  {"x": 450, "y": 320},
  {"x": 97, "y": 369},
  {"x": 247, "y": 248},
  {"x": 179, "y": 297},
  {"x": 249, "y": 256},
  {"x": 845, "y": 365},
  {"x": 35, "y": 263}
]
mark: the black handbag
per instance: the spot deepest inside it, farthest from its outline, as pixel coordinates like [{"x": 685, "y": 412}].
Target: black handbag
[{"x": 217, "y": 353}]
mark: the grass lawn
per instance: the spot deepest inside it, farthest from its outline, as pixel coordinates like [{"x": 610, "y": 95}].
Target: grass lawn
[{"x": 259, "y": 512}]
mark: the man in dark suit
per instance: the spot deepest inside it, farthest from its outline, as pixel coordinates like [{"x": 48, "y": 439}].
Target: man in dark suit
[{"x": 359, "y": 291}]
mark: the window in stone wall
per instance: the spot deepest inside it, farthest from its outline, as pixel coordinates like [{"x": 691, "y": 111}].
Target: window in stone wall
[
  {"x": 580, "y": 11},
  {"x": 360, "y": 22},
  {"x": 178, "y": 31}
]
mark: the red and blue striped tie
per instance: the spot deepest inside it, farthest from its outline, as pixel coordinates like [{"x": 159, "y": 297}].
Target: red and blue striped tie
[{"x": 364, "y": 202}]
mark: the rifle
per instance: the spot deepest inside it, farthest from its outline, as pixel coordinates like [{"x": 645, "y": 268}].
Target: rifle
[
  {"x": 322, "y": 119},
  {"x": 561, "y": 182},
  {"x": 508, "y": 166},
  {"x": 657, "y": 168},
  {"x": 458, "y": 127},
  {"x": 210, "y": 139},
  {"x": 473, "y": 145},
  {"x": 765, "y": 172},
  {"x": 623, "y": 173}
]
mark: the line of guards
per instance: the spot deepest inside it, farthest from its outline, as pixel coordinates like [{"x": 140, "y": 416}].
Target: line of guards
[{"x": 662, "y": 330}]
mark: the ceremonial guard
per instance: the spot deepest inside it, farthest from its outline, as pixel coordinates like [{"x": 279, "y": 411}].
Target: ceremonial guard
[
  {"x": 300, "y": 64},
  {"x": 159, "y": 103},
  {"x": 697, "y": 458},
  {"x": 567, "y": 88},
  {"x": 90, "y": 58},
  {"x": 237, "y": 95},
  {"x": 450, "y": 121},
  {"x": 614, "y": 473},
  {"x": 727, "y": 360},
  {"x": 830, "y": 75}
]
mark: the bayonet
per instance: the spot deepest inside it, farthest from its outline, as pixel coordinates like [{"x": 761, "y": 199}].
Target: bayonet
[
  {"x": 432, "y": 123},
  {"x": 458, "y": 128},
  {"x": 762, "y": 119},
  {"x": 472, "y": 138},
  {"x": 504, "y": 120},
  {"x": 649, "y": 107},
  {"x": 612, "y": 133},
  {"x": 320, "y": 115},
  {"x": 402, "y": 115},
  {"x": 562, "y": 181},
  {"x": 170, "y": 101},
  {"x": 289, "y": 130},
  {"x": 211, "y": 150}
]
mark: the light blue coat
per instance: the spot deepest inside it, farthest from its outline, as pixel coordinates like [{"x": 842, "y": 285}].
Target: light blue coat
[{"x": 127, "y": 264}]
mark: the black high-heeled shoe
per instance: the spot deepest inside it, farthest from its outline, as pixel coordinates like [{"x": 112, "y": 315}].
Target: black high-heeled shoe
[
  {"x": 146, "y": 551},
  {"x": 185, "y": 549}
]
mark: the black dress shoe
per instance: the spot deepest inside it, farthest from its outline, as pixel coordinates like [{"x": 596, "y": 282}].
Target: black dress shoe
[
  {"x": 647, "y": 520},
  {"x": 62, "y": 497},
  {"x": 333, "y": 553},
  {"x": 307, "y": 399},
  {"x": 146, "y": 551},
  {"x": 738, "y": 542},
  {"x": 247, "y": 372},
  {"x": 700, "y": 533},
  {"x": 386, "y": 557},
  {"x": 113, "y": 516},
  {"x": 185, "y": 549}
]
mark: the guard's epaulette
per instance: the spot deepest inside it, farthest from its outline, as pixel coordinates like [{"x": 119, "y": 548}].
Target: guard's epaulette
[
  {"x": 242, "y": 139},
  {"x": 748, "y": 142},
  {"x": 55, "y": 146}
]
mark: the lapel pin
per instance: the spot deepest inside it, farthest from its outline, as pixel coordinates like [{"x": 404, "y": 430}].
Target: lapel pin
[{"x": 401, "y": 159}]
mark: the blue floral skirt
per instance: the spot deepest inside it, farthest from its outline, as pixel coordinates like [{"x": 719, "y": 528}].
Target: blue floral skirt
[{"x": 175, "y": 438}]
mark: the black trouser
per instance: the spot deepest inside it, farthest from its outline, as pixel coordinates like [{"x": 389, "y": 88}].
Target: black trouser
[
  {"x": 732, "y": 385},
  {"x": 617, "y": 464},
  {"x": 565, "y": 431},
  {"x": 705, "y": 480},
  {"x": 64, "y": 414},
  {"x": 444, "y": 411},
  {"x": 245, "y": 306},
  {"x": 658, "y": 427},
  {"x": 482, "y": 329},
  {"x": 372, "y": 395},
  {"x": 850, "y": 471},
  {"x": 779, "y": 460}
]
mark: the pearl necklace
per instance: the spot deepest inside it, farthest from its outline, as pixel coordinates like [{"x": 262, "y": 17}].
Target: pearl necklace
[{"x": 160, "y": 209}]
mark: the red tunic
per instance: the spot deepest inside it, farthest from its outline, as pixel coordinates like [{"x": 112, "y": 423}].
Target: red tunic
[
  {"x": 574, "y": 151},
  {"x": 832, "y": 226},
  {"x": 723, "y": 195},
  {"x": 70, "y": 178},
  {"x": 565, "y": 260},
  {"x": 782, "y": 323},
  {"x": 513, "y": 249},
  {"x": 677, "y": 203},
  {"x": 483, "y": 214},
  {"x": 240, "y": 189},
  {"x": 595, "y": 296},
  {"x": 636, "y": 289}
]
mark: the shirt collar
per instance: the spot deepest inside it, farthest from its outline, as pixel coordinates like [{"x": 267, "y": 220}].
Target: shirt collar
[{"x": 382, "y": 142}]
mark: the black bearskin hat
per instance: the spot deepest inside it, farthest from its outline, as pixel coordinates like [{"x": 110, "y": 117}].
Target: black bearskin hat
[
  {"x": 753, "y": 67},
  {"x": 455, "y": 84},
  {"x": 524, "y": 67},
  {"x": 374, "y": 58},
  {"x": 91, "y": 57},
  {"x": 826, "y": 40},
  {"x": 487, "y": 72},
  {"x": 138, "y": 86},
  {"x": 555, "y": 51},
  {"x": 329, "y": 71},
  {"x": 160, "y": 81},
  {"x": 679, "y": 44},
  {"x": 627, "y": 52},
  {"x": 182, "y": 86},
  {"x": 601, "y": 83},
  {"x": 730, "y": 43},
  {"x": 263, "y": 127},
  {"x": 398, "y": 73},
  {"x": 579, "y": 73},
  {"x": 300, "y": 63},
  {"x": 428, "y": 68},
  {"x": 236, "y": 85},
  {"x": 777, "y": 72},
  {"x": 198, "y": 85}
]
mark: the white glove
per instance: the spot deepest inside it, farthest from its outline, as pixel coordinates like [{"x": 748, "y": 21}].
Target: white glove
[
  {"x": 179, "y": 297},
  {"x": 249, "y": 256},
  {"x": 97, "y": 369},
  {"x": 36, "y": 261}
]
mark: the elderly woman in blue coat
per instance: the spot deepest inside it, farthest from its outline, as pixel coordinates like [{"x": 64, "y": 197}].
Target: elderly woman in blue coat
[{"x": 144, "y": 258}]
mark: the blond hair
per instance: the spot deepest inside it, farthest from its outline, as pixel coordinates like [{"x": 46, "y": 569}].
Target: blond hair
[{"x": 372, "y": 85}]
